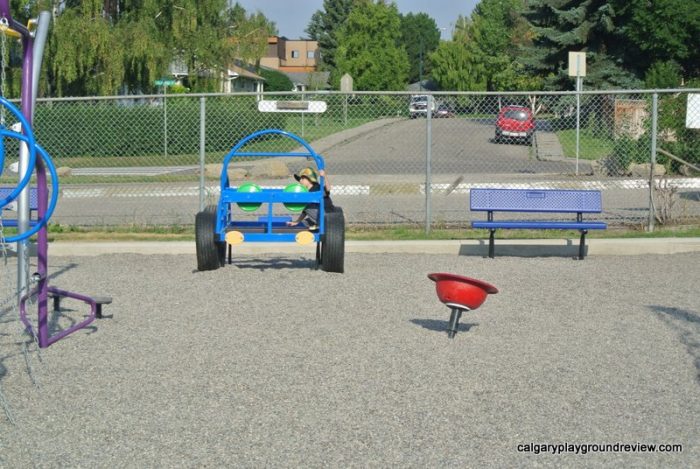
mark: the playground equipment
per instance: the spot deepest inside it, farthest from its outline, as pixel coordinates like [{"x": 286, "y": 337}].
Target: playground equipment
[
  {"x": 33, "y": 160},
  {"x": 460, "y": 294},
  {"x": 218, "y": 226},
  {"x": 295, "y": 187}
]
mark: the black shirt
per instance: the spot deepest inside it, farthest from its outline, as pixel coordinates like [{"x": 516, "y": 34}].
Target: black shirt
[{"x": 327, "y": 202}]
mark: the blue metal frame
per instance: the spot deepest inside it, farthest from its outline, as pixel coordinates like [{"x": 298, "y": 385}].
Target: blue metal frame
[{"x": 269, "y": 223}]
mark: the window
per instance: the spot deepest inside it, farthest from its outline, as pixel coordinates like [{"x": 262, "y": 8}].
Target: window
[
  {"x": 295, "y": 54},
  {"x": 310, "y": 54}
]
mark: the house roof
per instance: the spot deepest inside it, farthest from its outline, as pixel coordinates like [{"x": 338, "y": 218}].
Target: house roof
[
  {"x": 238, "y": 69},
  {"x": 427, "y": 85},
  {"x": 307, "y": 78}
]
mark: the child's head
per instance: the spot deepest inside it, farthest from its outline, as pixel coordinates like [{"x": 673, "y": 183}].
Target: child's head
[{"x": 307, "y": 177}]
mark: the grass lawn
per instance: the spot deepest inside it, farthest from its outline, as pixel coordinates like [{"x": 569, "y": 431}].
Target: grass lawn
[{"x": 590, "y": 146}]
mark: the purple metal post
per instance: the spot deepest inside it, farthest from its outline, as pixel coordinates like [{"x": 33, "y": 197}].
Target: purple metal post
[{"x": 43, "y": 335}]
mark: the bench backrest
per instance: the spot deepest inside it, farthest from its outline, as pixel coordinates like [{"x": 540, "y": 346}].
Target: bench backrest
[
  {"x": 33, "y": 196},
  {"x": 536, "y": 200}
]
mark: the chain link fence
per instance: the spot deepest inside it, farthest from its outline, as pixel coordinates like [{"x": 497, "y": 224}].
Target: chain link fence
[{"x": 392, "y": 158}]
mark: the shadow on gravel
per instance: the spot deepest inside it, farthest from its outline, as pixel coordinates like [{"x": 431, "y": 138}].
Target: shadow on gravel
[
  {"x": 441, "y": 326},
  {"x": 58, "y": 272},
  {"x": 687, "y": 325},
  {"x": 691, "y": 195},
  {"x": 274, "y": 264},
  {"x": 60, "y": 320},
  {"x": 502, "y": 248}
]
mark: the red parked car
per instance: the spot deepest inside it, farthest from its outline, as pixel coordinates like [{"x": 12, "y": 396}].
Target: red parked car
[{"x": 515, "y": 123}]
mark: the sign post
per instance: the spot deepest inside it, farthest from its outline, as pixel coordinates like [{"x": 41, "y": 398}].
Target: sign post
[
  {"x": 164, "y": 83},
  {"x": 346, "y": 85},
  {"x": 577, "y": 68}
]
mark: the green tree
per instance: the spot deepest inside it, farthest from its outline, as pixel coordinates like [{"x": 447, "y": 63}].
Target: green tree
[
  {"x": 497, "y": 29},
  {"x": 660, "y": 31},
  {"x": 483, "y": 52},
  {"x": 85, "y": 54},
  {"x": 663, "y": 75},
  {"x": 110, "y": 46},
  {"x": 324, "y": 27},
  {"x": 248, "y": 33},
  {"x": 560, "y": 26},
  {"x": 454, "y": 70},
  {"x": 369, "y": 48},
  {"x": 421, "y": 37}
]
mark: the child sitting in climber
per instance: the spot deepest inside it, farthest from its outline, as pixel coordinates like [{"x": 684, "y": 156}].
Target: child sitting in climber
[{"x": 309, "y": 178}]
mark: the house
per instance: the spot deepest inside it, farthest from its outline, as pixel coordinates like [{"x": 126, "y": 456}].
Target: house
[
  {"x": 291, "y": 55},
  {"x": 298, "y": 59},
  {"x": 309, "y": 81},
  {"x": 239, "y": 77}
]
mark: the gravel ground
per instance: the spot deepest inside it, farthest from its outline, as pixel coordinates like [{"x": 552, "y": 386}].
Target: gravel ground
[{"x": 271, "y": 363}]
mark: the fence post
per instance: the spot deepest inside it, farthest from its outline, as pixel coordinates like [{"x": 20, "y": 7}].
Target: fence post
[
  {"x": 654, "y": 129},
  {"x": 428, "y": 157},
  {"x": 579, "y": 86},
  {"x": 202, "y": 144}
]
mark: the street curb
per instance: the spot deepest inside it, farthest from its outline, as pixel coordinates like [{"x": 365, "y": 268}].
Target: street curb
[{"x": 468, "y": 247}]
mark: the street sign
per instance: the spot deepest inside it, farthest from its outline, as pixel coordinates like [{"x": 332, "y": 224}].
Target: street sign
[
  {"x": 577, "y": 64},
  {"x": 346, "y": 83},
  {"x": 164, "y": 82},
  {"x": 292, "y": 106}
]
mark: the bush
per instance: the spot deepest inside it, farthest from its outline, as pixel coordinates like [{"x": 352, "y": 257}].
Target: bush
[
  {"x": 627, "y": 150},
  {"x": 676, "y": 138},
  {"x": 136, "y": 127},
  {"x": 276, "y": 81}
]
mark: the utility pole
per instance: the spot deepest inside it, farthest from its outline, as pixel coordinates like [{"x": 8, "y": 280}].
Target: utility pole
[{"x": 420, "y": 66}]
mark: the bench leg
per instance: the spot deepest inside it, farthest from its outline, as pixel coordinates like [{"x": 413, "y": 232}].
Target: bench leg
[
  {"x": 491, "y": 243},
  {"x": 582, "y": 245},
  {"x": 57, "y": 303},
  {"x": 230, "y": 248}
]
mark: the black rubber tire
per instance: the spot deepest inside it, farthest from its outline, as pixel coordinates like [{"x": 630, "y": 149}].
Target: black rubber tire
[
  {"x": 209, "y": 251},
  {"x": 333, "y": 244}
]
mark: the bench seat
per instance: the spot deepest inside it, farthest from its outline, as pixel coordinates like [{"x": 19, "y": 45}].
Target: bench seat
[
  {"x": 539, "y": 225},
  {"x": 12, "y": 206}
]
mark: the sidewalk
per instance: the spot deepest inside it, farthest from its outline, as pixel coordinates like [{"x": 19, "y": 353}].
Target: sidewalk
[
  {"x": 467, "y": 247},
  {"x": 548, "y": 147}
]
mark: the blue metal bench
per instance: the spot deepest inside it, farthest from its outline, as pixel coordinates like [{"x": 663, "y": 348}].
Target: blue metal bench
[
  {"x": 537, "y": 201},
  {"x": 33, "y": 204}
]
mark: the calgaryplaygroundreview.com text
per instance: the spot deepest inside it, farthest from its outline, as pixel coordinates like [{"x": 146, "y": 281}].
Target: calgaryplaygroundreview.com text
[{"x": 585, "y": 448}]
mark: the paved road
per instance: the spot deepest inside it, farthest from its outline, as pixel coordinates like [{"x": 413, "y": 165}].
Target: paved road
[
  {"x": 398, "y": 147},
  {"x": 459, "y": 146}
]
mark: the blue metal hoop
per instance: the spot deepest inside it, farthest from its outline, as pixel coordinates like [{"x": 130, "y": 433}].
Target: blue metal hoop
[
  {"x": 27, "y": 136},
  {"x": 52, "y": 203}
]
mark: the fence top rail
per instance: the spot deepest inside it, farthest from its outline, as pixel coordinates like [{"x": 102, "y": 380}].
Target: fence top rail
[{"x": 307, "y": 94}]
